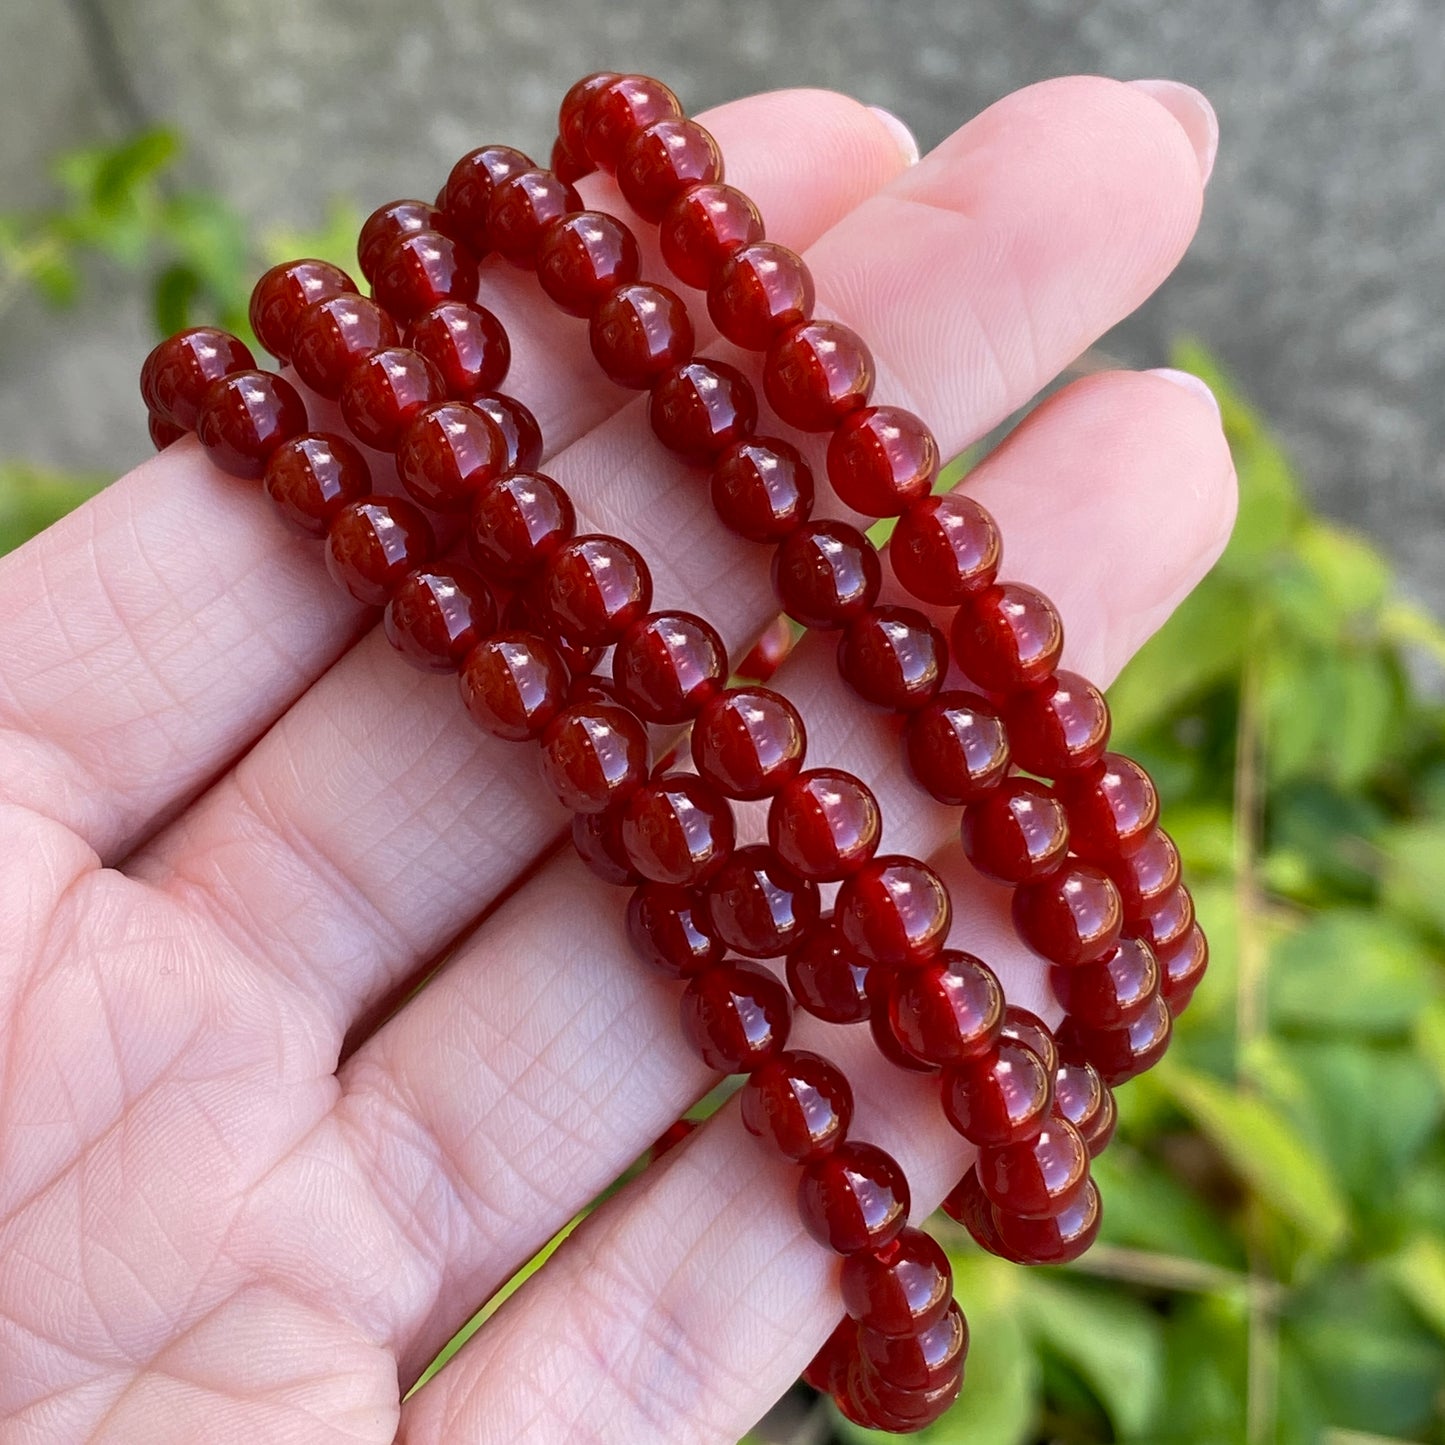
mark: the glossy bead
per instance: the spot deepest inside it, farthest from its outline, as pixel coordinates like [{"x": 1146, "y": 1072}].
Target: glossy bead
[
  {"x": 748, "y": 741},
  {"x": 592, "y": 755},
  {"x": 900, "y": 1290},
  {"x": 245, "y": 416},
  {"x": 312, "y": 477},
  {"x": 945, "y": 548},
  {"x": 882, "y": 460},
  {"x": 676, "y": 829},
  {"x": 1181, "y": 966},
  {"x": 816, "y": 373},
  {"x": 434, "y": 618},
  {"x": 1058, "y": 1239},
  {"x": 1112, "y": 808},
  {"x": 521, "y": 209},
  {"x": 825, "y": 824},
  {"x": 597, "y": 840},
  {"x": 1038, "y": 1176},
  {"x": 854, "y": 1198},
  {"x": 572, "y": 114},
  {"x": 1123, "y": 1053},
  {"x": 1017, "y": 831},
  {"x": 1007, "y": 636},
  {"x": 467, "y": 195},
  {"x": 1144, "y": 876},
  {"x": 758, "y": 906},
  {"x": 284, "y": 292},
  {"x": 1030, "y": 1030},
  {"x": 594, "y": 588},
  {"x": 969, "y": 1206},
  {"x": 666, "y": 159},
  {"x": 893, "y": 657},
  {"x": 616, "y": 112},
  {"x": 871, "y": 1401},
  {"x": 826, "y": 574},
  {"x": 567, "y": 167},
  {"x": 639, "y": 332},
  {"x": 448, "y": 455},
  {"x": 582, "y": 257},
  {"x": 390, "y": 223},
  {"x": 1083, "y": 1098},
  {"x": 762, "y": 489},
  {"x": 956, "y": 747},
  {"x": 769, "y": 652},
  {"x": 665, "y": 925},
  {"x": 880, "y": 1026},
  {"x": 519, "y": 427},
  {"x": 517, "y": 523},
  {"x": 828, "y": 979},
  {"x": 760, "y": 291},
  {"x": 828, "y": 1369},
  {"x": 918, "y": 1361},
  {"x": 736, "y": 1015},
  {"x": 894, "y": 911},
  {"x": 179, "y": 370},
  {"x": 702, "y": 228},
  {"x": 514, "y": 684},
  {"x": 333, "y": 334},
  {"x": 1058, "y": 727},
  {"x": 1001, "y": 1098},
  {"x": 373, "y": 543},
  {"x": 1169, "y": 919},
  {"x": 702, "y": 408},
  {"x": 668, "y": 665},
  {"x": 164, "y": 433},
  {"x": 524, "y": 613},
  {"x": 1071, "y": 916},
  {"x": 467, "y": 345},
  {"x": 1112, "y": 991},
  {"x": 421, "y": 270},
  {"x": 382, "y": 393},
  {"x": 948, "y": 1012},
  {"x": 799, "y": 1103}
]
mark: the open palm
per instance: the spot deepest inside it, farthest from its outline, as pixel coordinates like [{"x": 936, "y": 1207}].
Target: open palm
[{"x": 234, "y": 831}]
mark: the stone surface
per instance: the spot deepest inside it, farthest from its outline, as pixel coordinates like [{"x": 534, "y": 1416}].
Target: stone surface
[{"x": 1318, "y": 276}]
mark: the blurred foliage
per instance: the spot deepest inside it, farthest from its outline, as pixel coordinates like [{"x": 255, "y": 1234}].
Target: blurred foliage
[{"x": 1272, "y": 1266}]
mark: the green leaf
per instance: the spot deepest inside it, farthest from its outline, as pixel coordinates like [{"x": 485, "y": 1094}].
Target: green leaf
[
  {"x": 1414, "y": 871},
  {"x": 1419, "y": 1274},
  {"x": 125, "y": 168},
  {"x": 31, "y": 498},
  {"x": 1259, "y": 1143}
]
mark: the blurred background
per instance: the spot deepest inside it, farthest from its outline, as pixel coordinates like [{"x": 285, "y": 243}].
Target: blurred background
[{"x": 1273, "y": 1263}]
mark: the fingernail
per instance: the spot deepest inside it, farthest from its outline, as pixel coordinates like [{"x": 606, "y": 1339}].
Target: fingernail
[
  {"x": 902, "y": 136},
  {"x": 1189, "y": 382},
  {"x": 1193, "y": 112}
]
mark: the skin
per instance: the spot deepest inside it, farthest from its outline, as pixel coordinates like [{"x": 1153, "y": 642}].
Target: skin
[{"x": 236, "y": 1204}]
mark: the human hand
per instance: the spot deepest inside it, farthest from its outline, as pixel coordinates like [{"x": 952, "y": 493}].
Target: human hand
[{"x": 236, "y": 829}]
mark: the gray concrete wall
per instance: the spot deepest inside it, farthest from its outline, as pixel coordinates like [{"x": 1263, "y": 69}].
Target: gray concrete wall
[{"x": 1319, "y": 275}]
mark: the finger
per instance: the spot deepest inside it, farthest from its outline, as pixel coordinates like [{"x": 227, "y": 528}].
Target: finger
[
  {"x": 152, "y": 634},
  {"x": 375, "y": 821},
  {"x": 516, "y": 1086}
]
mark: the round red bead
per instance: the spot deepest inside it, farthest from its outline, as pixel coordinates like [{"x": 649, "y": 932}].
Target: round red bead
[
  {"x": 434, "y": 619},
  {"x": 703, "y": 227},
  {"x": 894, "y": 911},
  {"x": 956, "y": 747},
  {"x": 373, "y": 543},
  {"x": 284, "y": 292},
  {"x": 639, "y": 332},
  {"x": 597, "y": 838},
  {"x": 163, "y": 433},
  {"x": 420, "y": 270},
  {"x": 919, "y": 1361},
  {"x": 572, "y": 113},
  {"x": 383, "y": 392},
  {"x": 758, "y": 906},
  {"x": 1168, "y": 921},
  {"x": 825, "y": 824},
  {"x": 1007, "y": 636},
  {"x": 592, "y": 755},
  {"x": 760, "y": 291},
  {"x": 1113, "y": 991},
  {"x": 518, "y": 522},
  {"x": 969, "y": 1206},
  {"x": 584, "y": 256},
  {"x": 312, "y": 477},
  {"x": 1001, "y": 1098},
  {"x": 1057, "y": 1239},
  {"x": 701, "y": 408},
  {"x": 521, "y": 208},
  {"x": 245, "y": 416},
  {"x": 825, "y": 574},
  {"x": 467, "y": 195},
  {"x": 661, "y": 162},
  {"x": 1071, "y": 915},
  {"x": 179, "y": 370},
  {"x": 594, "y": 588},
  {"x": 1085, "y": 1100},
  {"x": 390, "y": 223},
  {"x": 798, "y": 1102},
  {"x": 869, "y": 1400},
  {"x": 1120, "y": 1054},
  {"x": 467, "y": 345},
  {"x": 615, "y": 112},
  {"x": 893, "y": 657},
  {"x": 1030, "y": 1030},
  {"x": 1112, "y": 808},
  {"x": 1058, "y": 727},
  {"x": 1144, "y": 876},
  {"x": 762, "y": 489},
  {"x": 945, "y": 548},
  {"x": 333, "y": 334},
  {"x": 519, "y": 427},
  {"x": 901, "y": 1289},
  {"x": 448, "y": 454},
  {"x": 736, "y": 1015},
  {"x": 524, "y": 612},
  {"x": 1181, "y": 966},
  {"x": 854, "y": 1198},
  {"x": 946, "y": 1013},
  {"x": 882, "y": 460},
  {"x": 748, "y": 741},
  {"x": 828, "y": 979},
  {"x": 1015, "y": 832},
  {"x": 514, "y": 684},
  {"x": 816, "y": 373},
  {"x": 1039, "y": 1176},
  {"x": 668, "y": 665},
  {"x": 676, "y": 829},
  {"x": 828, "y": 1369},
  {"x": 665, "y": 925}
]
